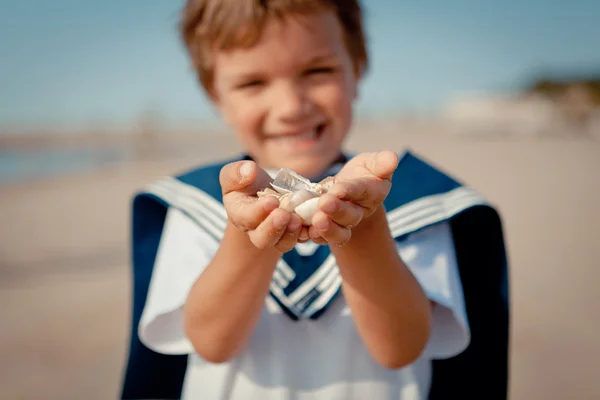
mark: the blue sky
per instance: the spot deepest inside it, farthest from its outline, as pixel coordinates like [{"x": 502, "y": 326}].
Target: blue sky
[{"x": 85, "y": 62}]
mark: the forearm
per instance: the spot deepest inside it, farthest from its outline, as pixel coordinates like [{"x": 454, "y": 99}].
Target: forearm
[
  {"x": 391, "y": 312},
  {"x": 225, "y": 302}
]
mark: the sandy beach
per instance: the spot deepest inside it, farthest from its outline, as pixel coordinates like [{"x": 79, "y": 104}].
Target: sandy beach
[{"x": 64, "y": 272}]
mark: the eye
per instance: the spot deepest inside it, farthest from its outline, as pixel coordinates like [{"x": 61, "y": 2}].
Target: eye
[
  {"x": 320, "y": 70},
  {"x": 250, "y": 84}
]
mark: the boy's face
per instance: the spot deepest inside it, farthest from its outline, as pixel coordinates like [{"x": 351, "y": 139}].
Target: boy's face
[{"x": 289, "y": 97}]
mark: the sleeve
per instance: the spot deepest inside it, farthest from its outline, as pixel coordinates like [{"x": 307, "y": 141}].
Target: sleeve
[
  {"x": 184, "y": 252},
  {"x": 431, "y": 257}
]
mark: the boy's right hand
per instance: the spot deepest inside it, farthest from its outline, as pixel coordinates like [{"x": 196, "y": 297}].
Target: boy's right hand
[{"x": 266, "y": 225}]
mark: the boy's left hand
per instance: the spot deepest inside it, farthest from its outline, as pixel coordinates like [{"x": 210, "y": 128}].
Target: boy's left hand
[{"x": 360, "y": 188}]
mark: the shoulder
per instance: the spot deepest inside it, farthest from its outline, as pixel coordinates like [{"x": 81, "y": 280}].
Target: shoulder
[
  {"x": 183, "y": 240},
  {"x": 196, "y": 193},
  {"x": 423, "y": 195},
  {"x": 200, "y": 181},
  {"x": 430, "y": 248},
  {"x": 203, "y": 177},
  {"x": 206, "y": 177},
  {"x": 417, "y": 177}
]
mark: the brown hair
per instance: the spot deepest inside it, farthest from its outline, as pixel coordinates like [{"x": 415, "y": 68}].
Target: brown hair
[{"x": 225, "y": 24}]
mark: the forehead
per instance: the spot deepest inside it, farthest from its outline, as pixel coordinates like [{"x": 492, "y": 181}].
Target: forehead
[{"x": 286, "y": 43}]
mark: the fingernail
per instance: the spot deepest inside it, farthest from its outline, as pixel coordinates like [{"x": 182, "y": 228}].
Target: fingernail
[
  {"x": 270, "y": 203},
  {"x": 279, "y": 222},
  {"x": 337, "y": 191},
  {"x": 321, "y": 224},
  {"x": 294, "y": 225},
  {"x": 314, "y": 237},
  {"x": 330, "y": 207},
  {"x": 246, "y": 170}
]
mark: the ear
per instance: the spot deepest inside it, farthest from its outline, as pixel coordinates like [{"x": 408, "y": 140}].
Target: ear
[
  {"x": 355, "y": 90},
  {"x": 356, "y": 79},
  {"x": 355, "y": 85},
  {"x": 215, "y": 103},
  {"x": 223, "y": 111},
  {"x": 213, "y": 97}
]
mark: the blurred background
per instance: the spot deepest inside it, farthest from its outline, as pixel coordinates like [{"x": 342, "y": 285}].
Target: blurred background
[{"x": 97, "y": 99}]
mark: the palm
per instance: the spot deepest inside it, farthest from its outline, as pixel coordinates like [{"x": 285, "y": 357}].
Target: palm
[
  {"x": 369, "y": 175},
  {"x": 360, "y": 188}
]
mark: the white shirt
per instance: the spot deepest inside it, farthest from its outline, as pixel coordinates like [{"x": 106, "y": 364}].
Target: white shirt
[{"x": 305, "y": 359}]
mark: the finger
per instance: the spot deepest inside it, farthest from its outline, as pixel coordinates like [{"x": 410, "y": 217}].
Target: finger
[
  {"x": 313, "y": 233},
  {"x": 236, "y": 176},
  {"x": 315, "y": 237},
  {"x": 247, "y": 212},
  {"x": 362, "y": 191},
  {"x": 269, "y": 232},
  {"x": 355, "y": 190},
  {"x": 341, "y": 212},
  {"x": 243, "y": 176},
  {"x": 304, "y": 235},
  {"x": 331, "y": 232},
  {"x": 290, "y": 236},
  {"x": 382, "y": 164}
]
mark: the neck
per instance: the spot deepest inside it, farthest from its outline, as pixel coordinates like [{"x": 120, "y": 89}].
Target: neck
[{"x": 312, "y": 176}]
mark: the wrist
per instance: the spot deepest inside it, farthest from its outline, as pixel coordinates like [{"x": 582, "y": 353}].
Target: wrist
[
  {"x": 375, "y": 225},
  {"x": 244, "y": 246},
  {"x": 376, "y": 220}
]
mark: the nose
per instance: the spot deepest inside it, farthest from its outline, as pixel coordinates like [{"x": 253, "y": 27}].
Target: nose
[{"x": 291, "y": 102}]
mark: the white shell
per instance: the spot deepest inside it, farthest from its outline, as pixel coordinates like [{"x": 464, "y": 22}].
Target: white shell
[
  {"x": 307, "y": 210},
  {"x": 297, "y": 194},
  {"x": 290, "y": 201}
]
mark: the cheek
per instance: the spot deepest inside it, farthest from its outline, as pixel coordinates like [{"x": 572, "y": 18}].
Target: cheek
[
  {"x": 337, "y": 100},
  {"x": 243, "y": 116}
]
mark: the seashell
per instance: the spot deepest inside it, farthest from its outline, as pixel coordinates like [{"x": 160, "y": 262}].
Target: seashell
[
  {"x": 291, "y": 200},
  {"x": 297, "y": 194},
  {"x": 286, "y": 181},
  {"x": 307, "y": 210}
]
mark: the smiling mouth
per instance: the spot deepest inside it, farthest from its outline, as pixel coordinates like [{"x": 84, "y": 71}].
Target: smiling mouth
[
  {"x": 319, "y": 130},
  {"x": 312, "y": 134}
]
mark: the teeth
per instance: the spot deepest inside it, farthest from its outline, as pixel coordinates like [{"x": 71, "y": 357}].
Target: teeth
[
  {"x": 306, "y": 135},
  {"x": 309, "y": 135}
]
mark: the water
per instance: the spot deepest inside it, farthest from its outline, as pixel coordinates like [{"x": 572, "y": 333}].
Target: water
[{"x": 24, "y": 165}]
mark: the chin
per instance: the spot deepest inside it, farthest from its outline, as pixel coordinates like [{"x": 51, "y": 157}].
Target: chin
[{"x": 309, "y": 165}]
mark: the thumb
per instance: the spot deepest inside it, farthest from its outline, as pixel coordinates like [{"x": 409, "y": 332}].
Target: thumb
[
  {"x": 243, "y": 176},
  {"x": 382, "y": 164}
]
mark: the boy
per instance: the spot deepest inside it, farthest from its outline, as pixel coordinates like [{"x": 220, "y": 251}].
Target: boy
[{"x": 237, "y": 300}]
